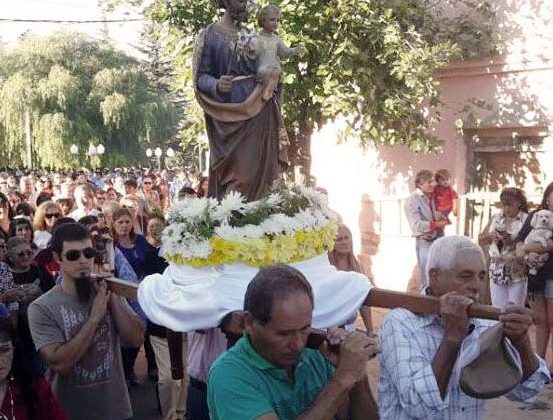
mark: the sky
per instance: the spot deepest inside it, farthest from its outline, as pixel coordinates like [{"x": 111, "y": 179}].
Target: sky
[{"x": 123, "y": 35}]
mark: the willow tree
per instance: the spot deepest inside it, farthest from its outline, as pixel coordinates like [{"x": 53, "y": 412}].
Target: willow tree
[{"x": 72, "y": 90}]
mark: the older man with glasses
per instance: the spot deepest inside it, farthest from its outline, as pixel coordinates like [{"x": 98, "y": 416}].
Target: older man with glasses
[{"x": 78, "y": 327}]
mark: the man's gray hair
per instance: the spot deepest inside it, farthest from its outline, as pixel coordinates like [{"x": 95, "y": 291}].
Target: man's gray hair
[{"x": 443, "y": 252}]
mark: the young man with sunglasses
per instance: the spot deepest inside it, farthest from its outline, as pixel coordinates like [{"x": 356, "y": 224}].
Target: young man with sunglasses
[{"x": 78, "y": 327}]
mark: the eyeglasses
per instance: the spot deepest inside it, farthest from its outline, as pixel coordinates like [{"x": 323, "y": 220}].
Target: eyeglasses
[
  {"x": 51, "y": 215},
  {"x": 26, "y": 253},
  {"x": 147, "y": 183},
  {"x": 75, "y": 254}
]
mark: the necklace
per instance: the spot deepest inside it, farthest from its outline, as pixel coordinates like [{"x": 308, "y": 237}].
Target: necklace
[{"x": 12, "y": 416}]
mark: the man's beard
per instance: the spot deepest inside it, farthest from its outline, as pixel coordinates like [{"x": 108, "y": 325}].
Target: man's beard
[{"x": 83, "y": 287}]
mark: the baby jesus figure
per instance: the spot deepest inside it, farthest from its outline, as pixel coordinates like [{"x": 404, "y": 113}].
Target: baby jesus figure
[{"x": 270, "y": 48}]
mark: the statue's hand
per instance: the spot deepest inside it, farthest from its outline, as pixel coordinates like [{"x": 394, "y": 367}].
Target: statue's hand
[
  {"x": 300, "y": 50},
  {"x": 225, "y": 84}
]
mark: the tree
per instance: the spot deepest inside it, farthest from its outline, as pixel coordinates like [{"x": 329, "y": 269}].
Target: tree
[
  {"x": 77, "y": 91},
  {"x": 371, "y": 61}
]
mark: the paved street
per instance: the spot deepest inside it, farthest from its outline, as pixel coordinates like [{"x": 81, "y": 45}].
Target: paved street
[{"x": 143, "y": 397}]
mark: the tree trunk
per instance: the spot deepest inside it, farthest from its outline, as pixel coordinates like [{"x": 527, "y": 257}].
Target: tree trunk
[
  {"x": 299, "y": 151},
  {"x": 303, "y": 141},
  {"x": 28, "y": 140}
]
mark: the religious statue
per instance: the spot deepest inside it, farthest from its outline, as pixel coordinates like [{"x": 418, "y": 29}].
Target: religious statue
[{"x": 243, "y": 121}]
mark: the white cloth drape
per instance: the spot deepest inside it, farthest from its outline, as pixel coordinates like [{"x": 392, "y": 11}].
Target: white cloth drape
[{"x": 186, "y": 299}]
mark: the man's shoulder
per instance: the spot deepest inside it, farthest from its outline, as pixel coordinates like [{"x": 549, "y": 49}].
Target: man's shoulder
[
  {"x": 401, "y": 317},
  {"x": 51, "y": 297}
]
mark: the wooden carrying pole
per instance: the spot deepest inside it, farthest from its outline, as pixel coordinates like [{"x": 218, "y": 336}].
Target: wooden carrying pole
[{"x": 379, "y": 298}]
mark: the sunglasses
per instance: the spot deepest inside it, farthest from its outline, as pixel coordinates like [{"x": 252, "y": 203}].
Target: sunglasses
[
  {"x": 22, "y": 254},
  {"x": 75, "y": 254},
  {"x": 51, "y": 215},
  {"x": 147, "y": 182}
]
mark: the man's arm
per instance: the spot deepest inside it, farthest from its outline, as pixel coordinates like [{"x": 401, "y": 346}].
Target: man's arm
[
  {"x": 355, "y": 351},
  {"x": 128, "y": 325},
  {"x": 62, "y": 357},
  {"x": 454, "y": 313},
  {"x": 362, "y": 404},
  {"x": 516, "y": 321}
]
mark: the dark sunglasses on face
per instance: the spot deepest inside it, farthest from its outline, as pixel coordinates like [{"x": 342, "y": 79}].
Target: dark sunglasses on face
[
  {"x": 75, "y": 254},
  {"x": 51, "y": 215},
  {"x": 26, "y": 253}
]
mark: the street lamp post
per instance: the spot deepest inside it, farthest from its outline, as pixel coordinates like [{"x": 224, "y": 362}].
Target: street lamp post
[
  {"x": 158, "y": 152},
  {"x": 74, "y": 150},
  {"x": 91, "y": 153}
]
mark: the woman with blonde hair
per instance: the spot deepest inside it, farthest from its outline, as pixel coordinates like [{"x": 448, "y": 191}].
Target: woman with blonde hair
[
  {"x": 45, "y": 218},
  {"x": 343, "y": 258}
]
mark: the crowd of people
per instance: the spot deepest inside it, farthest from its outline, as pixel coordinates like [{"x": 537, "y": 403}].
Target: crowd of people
[
  {"x": 511, "y": 278},
  {"x": 69, "y": 345},
  {"x": 55, "y": 229}
]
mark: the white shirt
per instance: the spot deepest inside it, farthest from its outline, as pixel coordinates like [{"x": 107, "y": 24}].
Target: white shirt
[{"x": 407, "y": 386}]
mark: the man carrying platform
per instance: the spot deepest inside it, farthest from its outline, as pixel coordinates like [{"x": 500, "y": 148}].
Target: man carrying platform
[
  {"x": 423, "y": 356},
  {"x": 270, "y": 374}
]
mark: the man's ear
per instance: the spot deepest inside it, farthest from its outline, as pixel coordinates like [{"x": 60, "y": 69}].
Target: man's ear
[
  {"x": 248, "y": 322},
  {"x": 433, "y": 280}
]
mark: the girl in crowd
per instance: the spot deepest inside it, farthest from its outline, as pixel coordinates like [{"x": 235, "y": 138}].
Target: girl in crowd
[
  {"x": 23, "y": 228},
  {"x": 5, "y": 216},
  {"x": 23, "y": 395},
  {"x": 65, "y": 205},
  {"x": 507, "y": 271},
  {"x": 343, "y": 258},
  {"x": 111, "y": 195},
  {"x": 540, "y": 286},
  {"x": 45, "y": 218}
]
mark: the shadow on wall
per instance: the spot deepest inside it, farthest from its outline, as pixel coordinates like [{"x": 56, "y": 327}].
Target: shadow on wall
[
  {"x": 523, "y": 27},
  {"x": 507, "y": 146}
]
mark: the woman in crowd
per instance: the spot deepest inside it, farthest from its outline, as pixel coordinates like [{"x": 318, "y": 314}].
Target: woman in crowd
[
  {"x": 45, "y": 218},
  {"x": 172, "y": 394},
  {"x": 507, "y": 271},
  {"x": 23, "y": 394},
  {"x": 137, "y": 208},
  {"x": 15, "y": 198},
  {"x": 343, "y": 258},
  {"x": 32, "y": 281},
  {"x": 138, "y": 252},
  {"x": 540, "y": 286},
  {"x": 20, "y": 260},
  {"x": 164, "y": 194},
  {"x": 203, "y": 185},
  {"x": 5, "y": 216},
  {"x": 26, "y": 210}
]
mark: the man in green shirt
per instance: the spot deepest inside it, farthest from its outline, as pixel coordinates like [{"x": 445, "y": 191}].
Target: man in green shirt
[{"x": 270, "y": 374}]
